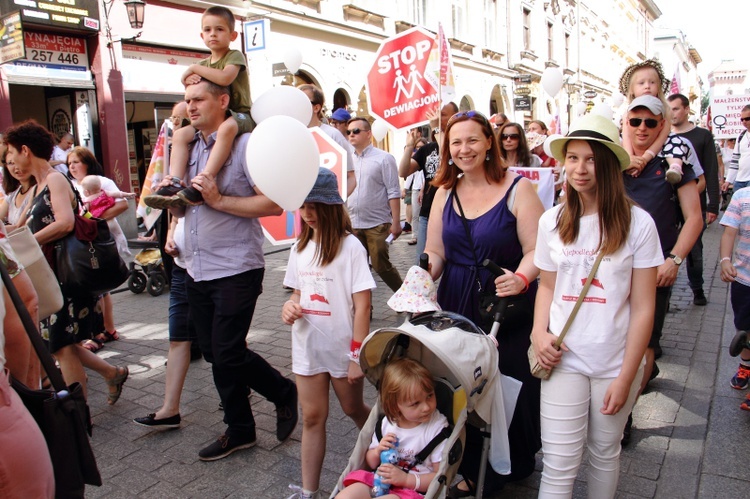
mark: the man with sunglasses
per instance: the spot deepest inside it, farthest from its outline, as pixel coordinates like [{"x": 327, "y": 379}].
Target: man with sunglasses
[
  {"x": 375, "y": 205},
  {"x": 667, "y": 204},
  {"x": 702, "y": 141},
  {"x": 738, "y": 171}
]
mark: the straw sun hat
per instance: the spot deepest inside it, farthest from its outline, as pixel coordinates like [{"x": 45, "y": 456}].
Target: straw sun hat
[{"x": 593, "y": 128}]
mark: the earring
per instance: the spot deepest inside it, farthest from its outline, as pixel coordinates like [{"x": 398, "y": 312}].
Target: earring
[
  {"x": 450, "y": 161},
  {"x": 487, "y": 158}
]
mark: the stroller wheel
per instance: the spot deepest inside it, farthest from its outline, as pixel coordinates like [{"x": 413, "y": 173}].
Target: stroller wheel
[
  {"x": 156, "y": 284},
  {"x": 137, "y": 282}
]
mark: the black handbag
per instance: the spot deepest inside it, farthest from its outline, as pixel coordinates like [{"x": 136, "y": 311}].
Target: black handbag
[
  {"x": 87, "y": 260},
  {"x": 62, "y": 414}
]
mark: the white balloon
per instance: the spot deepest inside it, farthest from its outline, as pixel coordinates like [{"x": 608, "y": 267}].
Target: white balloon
[
  {"x": 547, "y": 142},
  {"x": 603, "y": 109},
  {"x": 552, "y": 81},
  {"x": 379, "y": 129},
  {"x": 282, "y": 158},
  {"x": 581, "y": 108},
  {"x": 285, "y": 100},
  {"x": 293, "y": 59},
  {"x": 564, "y": 128},
  {"x": 617, "y": 99}
]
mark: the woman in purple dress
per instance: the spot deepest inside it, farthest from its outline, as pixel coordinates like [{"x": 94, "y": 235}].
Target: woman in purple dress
[{"x": 484, "y": 211}]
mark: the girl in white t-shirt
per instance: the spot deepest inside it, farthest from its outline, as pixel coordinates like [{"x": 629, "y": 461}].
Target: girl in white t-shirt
[
  {"x": 330, "y": 316},
  {"x": 407, "y": 395},
  {"x": 596, "y": 376}
]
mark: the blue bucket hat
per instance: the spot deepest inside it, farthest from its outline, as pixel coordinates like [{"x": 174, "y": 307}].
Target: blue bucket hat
[{"x": 326, "y": 189}]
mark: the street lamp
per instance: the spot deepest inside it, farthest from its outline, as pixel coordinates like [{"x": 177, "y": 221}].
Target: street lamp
[{"x": 136, "y": 11}]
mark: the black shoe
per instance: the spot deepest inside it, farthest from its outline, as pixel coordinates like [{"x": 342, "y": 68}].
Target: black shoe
[
  {"x": 152, "y": 422},
  {"x": 699, "y": 298},
  {"x": 164, "y": 197},
  {"x": 454, "y": 492},
  {"x": 225, "y": 445},
  {"x": 407, "y": 228},
  {"x": 626, "y": 431},
  {"x": 657, "y": 352},
  {"x": 287, "y": 416},
  {"x": 654, "y": 372},
  {"x": 190, "y": 195}
]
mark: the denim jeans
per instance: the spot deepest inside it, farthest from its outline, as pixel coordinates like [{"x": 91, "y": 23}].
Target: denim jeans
[
  {"x": 222, "y": 310},
  {"x": 181, "y": 327}
]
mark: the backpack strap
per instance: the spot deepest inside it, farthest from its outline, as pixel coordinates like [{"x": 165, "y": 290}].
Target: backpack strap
[
  {"x": 379, "y": 428},
  {"x": 425, "y": 453}
]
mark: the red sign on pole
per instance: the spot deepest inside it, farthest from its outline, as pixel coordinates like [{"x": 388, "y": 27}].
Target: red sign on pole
[
  {"x": 401, "y": 83},
  {"x": 283, "y": 229}
]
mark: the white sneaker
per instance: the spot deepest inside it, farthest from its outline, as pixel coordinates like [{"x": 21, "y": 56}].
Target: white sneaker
[{"x": 300, "y": 493}]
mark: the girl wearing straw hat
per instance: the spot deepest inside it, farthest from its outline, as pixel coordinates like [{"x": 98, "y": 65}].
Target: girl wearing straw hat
[{"x": 598, "y": 369}]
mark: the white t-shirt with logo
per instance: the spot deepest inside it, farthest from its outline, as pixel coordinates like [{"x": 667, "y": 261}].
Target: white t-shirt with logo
[
  {"x": 322, "y": 337},
  {"x": 596, "y": 338}
]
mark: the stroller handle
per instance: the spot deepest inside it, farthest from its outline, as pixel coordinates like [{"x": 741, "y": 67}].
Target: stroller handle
[
  {"x": 424, "y": 261},
  {"x": 502, "y": 303}
]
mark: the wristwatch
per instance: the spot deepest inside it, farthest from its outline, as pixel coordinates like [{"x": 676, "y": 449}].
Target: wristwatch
[{"x": 676, "y": 259}]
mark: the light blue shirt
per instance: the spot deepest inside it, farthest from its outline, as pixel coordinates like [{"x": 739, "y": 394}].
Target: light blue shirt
[
  {"x": 377, "y": 183},
  {"x": 218, "y": 244}
]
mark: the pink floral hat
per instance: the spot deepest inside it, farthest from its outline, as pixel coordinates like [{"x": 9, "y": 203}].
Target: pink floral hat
[{"x": 417, "y": 294}]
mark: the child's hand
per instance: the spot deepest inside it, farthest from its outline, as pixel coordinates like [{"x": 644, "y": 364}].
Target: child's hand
[
  {"x": 387, "y": 442},
  {"x": 728, "y": 272},
  {"x": 637, "y": 164},
  {"x": 393, "y": 475},
  {"x": 128, "y": 195},
  {"x": 290, "y": 312},
  {"x": 354, "y": 374}
]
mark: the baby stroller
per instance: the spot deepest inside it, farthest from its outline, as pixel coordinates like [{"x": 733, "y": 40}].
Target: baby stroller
[
  {"x": 468, "y": 386},
  {"x": 147, "y": 272}
]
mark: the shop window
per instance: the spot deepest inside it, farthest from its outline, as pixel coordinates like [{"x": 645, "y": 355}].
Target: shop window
[{"x": 526, "y": 29}]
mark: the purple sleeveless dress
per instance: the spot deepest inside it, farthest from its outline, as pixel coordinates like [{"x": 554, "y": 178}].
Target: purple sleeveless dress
[{"x": 495, "y": 237}]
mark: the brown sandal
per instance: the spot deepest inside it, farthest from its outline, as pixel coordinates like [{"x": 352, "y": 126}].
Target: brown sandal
[
  {"x": 117, "y": 382},
  {"x": 106, "y": 336}
]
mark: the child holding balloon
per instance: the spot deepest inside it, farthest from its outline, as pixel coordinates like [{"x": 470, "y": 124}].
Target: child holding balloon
[{"x": 329, "y": 312}]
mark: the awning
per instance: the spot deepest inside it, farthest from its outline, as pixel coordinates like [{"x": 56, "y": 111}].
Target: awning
[{"x": 18, "y": 74}]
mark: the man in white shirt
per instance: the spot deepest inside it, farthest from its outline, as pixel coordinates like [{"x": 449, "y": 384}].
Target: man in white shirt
[
  {"x": 59, "y": 158},
  {"x": 738, "y": 172}
]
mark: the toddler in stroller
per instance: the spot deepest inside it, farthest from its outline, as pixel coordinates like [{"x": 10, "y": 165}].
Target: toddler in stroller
[{"x": 412, "y": 426}]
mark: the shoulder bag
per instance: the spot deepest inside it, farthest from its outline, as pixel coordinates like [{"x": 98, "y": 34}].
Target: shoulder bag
[
  {"x": 62, "y": 414},
  {"x": 536, "y": 369},
  {"x": 87, "y": 260},
  {"x": 29, "y": 254}
]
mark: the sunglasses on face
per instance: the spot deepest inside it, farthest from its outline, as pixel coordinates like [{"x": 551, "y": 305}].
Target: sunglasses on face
[
  {"x": 355, "y": 131},
  {"x": 745, "y": 119},
  {"x": 511, "y": 136},
  {"x": 650, "y": 122}
]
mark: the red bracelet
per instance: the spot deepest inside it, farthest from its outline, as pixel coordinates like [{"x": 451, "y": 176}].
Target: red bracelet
[
  {"x": 525, "y": 281},
  {"x": 355, "y": 345}
]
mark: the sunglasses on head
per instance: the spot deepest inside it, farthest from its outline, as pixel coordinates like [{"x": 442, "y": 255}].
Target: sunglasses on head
[
  {"x": 511, "y": 136},
  {"x": 355, "y": 131},
  {"x": 468, "y": 114},
  {"x": 650, "y": 122},
  {"x": 745, "y": 119}
]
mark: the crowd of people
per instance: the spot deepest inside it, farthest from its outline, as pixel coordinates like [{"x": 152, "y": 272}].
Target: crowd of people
[{"x": 631, "y": 206}]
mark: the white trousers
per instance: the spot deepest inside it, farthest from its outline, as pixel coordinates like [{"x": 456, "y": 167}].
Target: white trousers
[{"x": 571, "y": 417}]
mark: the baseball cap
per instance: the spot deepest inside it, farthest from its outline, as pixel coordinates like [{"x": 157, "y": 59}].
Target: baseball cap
[
  {"x": 341, "y": 115},
  {"x": 650, "y": 102}
]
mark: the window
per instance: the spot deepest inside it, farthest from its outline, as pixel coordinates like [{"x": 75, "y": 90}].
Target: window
[
  {"x": 459, "y": 19},
  {"x": 550, "y": 42},
  {"x": 526, "y": 29},
  {"x": 490, "y": 24},
  {"x": 567, "y": 50}
]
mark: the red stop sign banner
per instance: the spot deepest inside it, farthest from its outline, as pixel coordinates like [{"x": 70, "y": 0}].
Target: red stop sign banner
[
  {"x": 401, "y": 85},
  {"x": 283, "y": 229}
]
